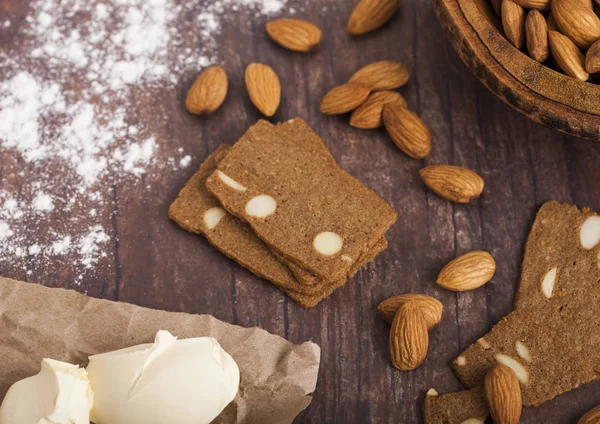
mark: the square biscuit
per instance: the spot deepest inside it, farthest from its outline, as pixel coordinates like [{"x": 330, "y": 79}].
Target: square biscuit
[{"x": 285, "y": 184}]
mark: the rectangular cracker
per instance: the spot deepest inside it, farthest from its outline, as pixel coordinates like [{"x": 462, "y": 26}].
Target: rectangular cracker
[
  {"x": 291, "y": 164},
  {"x": 553, "y": 341},
  {"x": 456, "y": 408},
  {"x": 236, "y": 239},
  {"x": 302, "y": 275}
]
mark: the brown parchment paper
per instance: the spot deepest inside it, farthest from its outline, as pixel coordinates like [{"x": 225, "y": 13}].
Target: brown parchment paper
[{"x": 277, "y": 377}]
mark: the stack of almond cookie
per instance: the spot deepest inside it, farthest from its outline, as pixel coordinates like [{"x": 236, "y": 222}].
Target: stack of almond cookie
[{"x": 278, "y": 204}]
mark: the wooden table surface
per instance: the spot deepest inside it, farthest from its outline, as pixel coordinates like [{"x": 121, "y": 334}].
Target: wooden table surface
[{"x": 154, "y": 263}]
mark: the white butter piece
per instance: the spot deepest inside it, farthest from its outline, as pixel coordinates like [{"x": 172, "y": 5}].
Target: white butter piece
[
  {"x": 59, "y": 394},
  {"x": 169, "y": 381}
]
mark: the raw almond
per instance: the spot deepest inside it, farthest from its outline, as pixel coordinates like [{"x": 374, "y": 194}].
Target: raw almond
[
  {"x": 430, "y": 307},
  {"x": 567, "y": 56},
  {"x": 536, "y": 35},
  {"x": 576, "y": 21},
  {"x": 294, "y": 34},
  {"x": 503, "y": 394},
  {"x": 369, "y": 15},
  {"x": 592, "y": 58},
  {"x": 467, "y": 272},
  {"x": 592, "y": 417},
  {"x": 344, "y": 98},
  {"x": 263, "y": 88},
  {"x": 407, "y": 131},
  {"x": 369, "y": 114},
  {"x": 513, "y": 22},
  {"x": 383, "y": 75},
  {"x": 409, "y": 339},
  {"x": 208, "y": 91},
  {"x": 454, "y": 183},
  {"x": 534, "y": 4}
]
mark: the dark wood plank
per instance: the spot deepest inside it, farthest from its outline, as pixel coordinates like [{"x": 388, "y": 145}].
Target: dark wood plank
[{"x": 152, "y": 262}]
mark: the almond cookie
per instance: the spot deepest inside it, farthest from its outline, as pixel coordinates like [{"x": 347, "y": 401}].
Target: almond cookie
[{"x": 551, "y": 340}]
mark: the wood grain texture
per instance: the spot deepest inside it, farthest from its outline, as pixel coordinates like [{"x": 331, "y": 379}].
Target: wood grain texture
[{"x": 154, "y": 263}]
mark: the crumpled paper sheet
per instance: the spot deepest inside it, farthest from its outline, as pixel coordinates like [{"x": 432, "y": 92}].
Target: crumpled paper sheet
[{"x": 277, "y": 376}]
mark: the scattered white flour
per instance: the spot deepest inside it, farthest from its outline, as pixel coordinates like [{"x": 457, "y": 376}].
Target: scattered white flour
[
  {"x": 42, "y": 202},
  {"x": 60, "y": 247},
  {"x": 185, "y": 161},
  {"x": 70, "y": 130}
]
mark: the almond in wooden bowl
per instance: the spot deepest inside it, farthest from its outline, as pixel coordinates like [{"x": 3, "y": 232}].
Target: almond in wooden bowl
[{"x": 539, "y": 91}]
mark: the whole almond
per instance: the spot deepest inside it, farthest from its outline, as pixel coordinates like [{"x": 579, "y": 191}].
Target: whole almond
[
  {"x": 592, "y": 417},
  {"x": 430, "y": 307},
  {"x": 407, "y": 131},
  {"x": 503, "y": 394},
  {"x": 576, "y": 21},
  {"x": 592, "y": 58},
  {"x": 369, "y": 15},
  {"x": 294, "y": 34},
  {"x": 513, "y": 22},
  {"x": 536, "y": 35},
  {"x": 454, "y": 183},
  {"x": 383, "y": 75},
  {"x": 344, "y": 98},
  {"x": 467, "y": 272},
  {"x": 369, "y": 114},
  {"x": 263, "y": 88},
  {"x": 409, "y": 339},
  {"x": 567, "y": 56},
  {"x": 534, "y": 4},
  {"x": 208, "y": 91}
]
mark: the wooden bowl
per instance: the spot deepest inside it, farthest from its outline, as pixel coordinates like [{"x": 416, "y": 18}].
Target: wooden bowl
[{"x": 543, "y": 94}]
